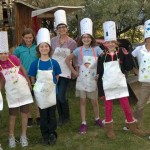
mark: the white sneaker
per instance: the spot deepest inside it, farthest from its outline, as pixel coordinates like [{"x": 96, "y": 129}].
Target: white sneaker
[
  {"x": 0, "y": 147},
  {"x": 12, "y": 142},
  {"x": 125, "y": 128},
  {"x": 23, "y": 141}
]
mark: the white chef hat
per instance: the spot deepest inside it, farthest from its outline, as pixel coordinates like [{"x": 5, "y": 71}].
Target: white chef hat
[
  {"x": 147, "y": 29},
  {"x": 4, "y": 48},
  {"x": 60, "y": 17},
  {"x": 86, "y": 26},
  {"x": 109, "y": 28},
  {"x": 43, "y": 35}
]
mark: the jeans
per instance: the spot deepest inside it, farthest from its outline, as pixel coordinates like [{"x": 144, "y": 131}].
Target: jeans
[
  {"x": 144, "y": 97},
  {"x": 125, "y": 106},
  {"x": 62, "y": 102},
  {"x": 48, "y": 122}
]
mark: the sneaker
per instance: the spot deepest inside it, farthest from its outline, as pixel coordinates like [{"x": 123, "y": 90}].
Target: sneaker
[
  {"x": 30, "y": 122},
  {"x": 83, "y": 128},
  {"x": 38, "y": 121},
  {"x": 23, "y": 141},
  {"x": 125, "y": 128},
  {"x": 99, "y": 123},
  {"x": 12, "y": 142},
  {"x": 52, "y": 139},
  {"x": 0, "y": 147}
]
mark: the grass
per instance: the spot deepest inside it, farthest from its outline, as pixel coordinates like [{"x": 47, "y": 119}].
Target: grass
[{"x": 70, "y": 139}]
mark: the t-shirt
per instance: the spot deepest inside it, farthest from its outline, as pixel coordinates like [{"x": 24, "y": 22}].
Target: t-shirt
[
  {"x": 70, "y": 44},
  {"x": 137, "y": 52},
  {"x": 86, "y": 52},
  {"x": 45, "y": 65},
  {"x": 7, "y": 64},
  {"x": 26, "y": 55}
]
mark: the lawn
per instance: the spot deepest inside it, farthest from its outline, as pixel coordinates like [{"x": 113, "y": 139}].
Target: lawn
[{"x": 70, "y": 139}]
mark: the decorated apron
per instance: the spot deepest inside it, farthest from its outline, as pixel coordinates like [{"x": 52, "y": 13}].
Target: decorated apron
[
  {"x": 114, "y": 81},
  {"x": 16, "y": 86},
  {"x": 44, "y": 88},
  {"x": 60, "y": 55},
  {"x": 86, "y": 79},
  {"x": 144, "y": 68},
  {"x": 1, "y": 101}
]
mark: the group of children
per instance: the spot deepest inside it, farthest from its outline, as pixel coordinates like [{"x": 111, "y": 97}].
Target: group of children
[{"x": 46, "y": 67}]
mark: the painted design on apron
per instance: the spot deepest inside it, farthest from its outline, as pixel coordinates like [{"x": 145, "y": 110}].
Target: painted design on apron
[
  {"x": 1, "y": 101},
  {"x": 44, "y": 88},
  {"x": 87, "y": 72},
  {"x": 60, "y": 55},
  {"x": 16, "y": 86},
  {"x": 144, "y": 68},
  {"x": 114, "y": 81}
]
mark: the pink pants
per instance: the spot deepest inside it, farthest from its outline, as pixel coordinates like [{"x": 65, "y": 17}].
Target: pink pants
[{"x": 125, "y": 106}]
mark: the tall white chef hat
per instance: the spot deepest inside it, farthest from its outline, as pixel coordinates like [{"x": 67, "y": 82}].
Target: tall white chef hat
[
  {"x": 60, "y": 17},
  {"x": 109, "y": 28},
  {"x": 86, "y": 26},
  {"x": 43, "y": 35},
  {"x": 147, "y": 29},
  {"x": 4, "y": 48}
]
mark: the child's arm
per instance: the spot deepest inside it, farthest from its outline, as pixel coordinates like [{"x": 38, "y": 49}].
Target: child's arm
[
  {"x": 2, "y": 82},
  {"x": 26, "y": 76}
]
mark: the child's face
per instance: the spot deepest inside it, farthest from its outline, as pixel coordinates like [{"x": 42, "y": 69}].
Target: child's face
[
  {"x": 86, "y": 39},
  {"x": 28, "y": 39},
  {"x": 4, "y": 56},
  {"x": 44, "y": 49},
  {"x": 111, "y": 45}
]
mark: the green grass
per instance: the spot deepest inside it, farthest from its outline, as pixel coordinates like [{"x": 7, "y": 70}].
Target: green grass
[{"x": 70, "y": 139}]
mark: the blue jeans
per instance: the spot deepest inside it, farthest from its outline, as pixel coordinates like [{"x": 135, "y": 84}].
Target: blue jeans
[{"x": 62, "y": 102}]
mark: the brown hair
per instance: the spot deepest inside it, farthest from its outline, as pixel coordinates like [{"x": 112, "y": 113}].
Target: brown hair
[
  {"x": 93, "y": 42},
  {"x": 28, "y": 31},
  {"x": 39, "y": 54}
]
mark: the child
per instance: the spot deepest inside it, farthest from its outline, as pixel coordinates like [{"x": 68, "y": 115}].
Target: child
[
  {"x": 86, "y": 85},
  {"x": 112, "y": 82},
  {"x": 18, "y": 94},
  {"x": 62, "y": 45},
  {"x": 45, "y": 71},
  {"x": 26, "y": 52},
  {"x": 142, "y": 53}
]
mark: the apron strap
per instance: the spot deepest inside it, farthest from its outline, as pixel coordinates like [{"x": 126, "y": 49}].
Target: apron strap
[{"x": 81, "y": 53}]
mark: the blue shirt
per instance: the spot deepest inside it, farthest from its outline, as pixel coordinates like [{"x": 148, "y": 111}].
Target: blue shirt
[
  {"x": 86, "y": 52},
  {"x": 26, "y": 55},
  {"x": 45, "y": 65}
]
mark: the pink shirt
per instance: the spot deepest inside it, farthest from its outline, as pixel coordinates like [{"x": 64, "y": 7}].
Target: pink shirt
[{"x": 7, "y": 64}]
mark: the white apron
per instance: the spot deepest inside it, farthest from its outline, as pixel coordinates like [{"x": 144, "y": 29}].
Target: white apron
[
  {"x": 1, "y": 101},
  {"x": 16, "y": 86},
  {"x": 144, "y": 68},
  {"x": 114, "y": 81},
  {"x": 45, "y": 89},
  {"x": 60, "y": 55},
  {"x": 86, "y": 79}
]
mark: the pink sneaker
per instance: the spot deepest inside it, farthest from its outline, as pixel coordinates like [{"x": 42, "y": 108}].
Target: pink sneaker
[
  {"x": 99, "y": 123},
  {"x": 83, "y": 128}
]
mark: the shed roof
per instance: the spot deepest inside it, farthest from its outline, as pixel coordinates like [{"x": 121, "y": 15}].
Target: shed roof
[{"x": 51, "y": 10}]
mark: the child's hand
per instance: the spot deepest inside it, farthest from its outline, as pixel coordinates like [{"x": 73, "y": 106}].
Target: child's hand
[
  {"x": 96, "y": 77},
  {"x": 125, "y": 51}
]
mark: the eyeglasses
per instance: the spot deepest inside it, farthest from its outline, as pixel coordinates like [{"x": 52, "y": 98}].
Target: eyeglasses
[{"x": 61, "y": 27}]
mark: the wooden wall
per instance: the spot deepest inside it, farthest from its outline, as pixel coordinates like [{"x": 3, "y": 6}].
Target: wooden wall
[{"x": 22, "y": 20}]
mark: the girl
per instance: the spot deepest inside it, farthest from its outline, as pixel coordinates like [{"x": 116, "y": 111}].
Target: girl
[
  {"x": 45, "y": 71},
  {"x": 86, "y": 86},
  {"x": 62, "y": 45},
  {"x": 112, "y": 65},
  {"x": 26, "y": 52},
  {"x": 17, "y": 90}
]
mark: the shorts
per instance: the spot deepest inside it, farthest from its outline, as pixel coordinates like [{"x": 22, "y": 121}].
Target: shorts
[
  {"x": 22, "y": 109},
  {"x": 91, "y": 95}
]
